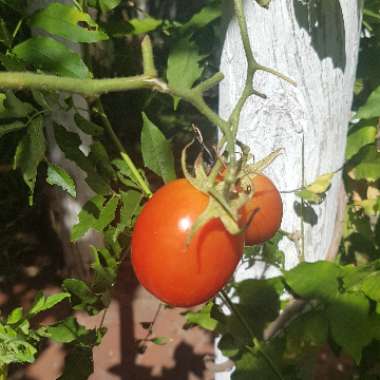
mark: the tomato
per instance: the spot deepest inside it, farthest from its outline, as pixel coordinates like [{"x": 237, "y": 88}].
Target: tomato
[
  {"x": 266, "y": 206},
  {"x": 177, "y": 273}
]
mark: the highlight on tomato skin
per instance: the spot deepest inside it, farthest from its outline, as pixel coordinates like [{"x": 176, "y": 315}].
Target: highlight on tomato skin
[
  {"x": 176, "y": 273},
  {"x": 265, "y": 210}
]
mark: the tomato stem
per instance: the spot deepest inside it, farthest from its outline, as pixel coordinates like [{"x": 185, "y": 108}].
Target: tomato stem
[
  {"x": 255, "y": 341},
  {"x": 3, "y": 372}
]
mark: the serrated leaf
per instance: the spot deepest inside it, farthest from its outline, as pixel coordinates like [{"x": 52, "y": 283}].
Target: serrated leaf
[
  {"x": 367, "y": 164},
  {"x": 82, "y": 297},
  {"x": 59, "y": 177},
  {"x": 131, "y": 204},
  {"x": 144, "y": 25},
  {"x": 11, "y": 127},
  {"x": 87, "y": 126},
  {"x": 317, "y": 280},
  {"x": 350, "y": 324},
  {"x": 97, "y": 214},
  {"x": 203, "y": 317},
  {"x": 43, "y": 303},
  {"x": 15, "y": 316},
  {"x": 68, "y": 22},
  {"x": 69, "y": 143},
  {"x": 30, "y": 152},
  {"x": 372, "y": 107},
  {"x": 51, "y": 56},
  {"x": 360, "y": 135},
  {"x": 183, "y": 65},
  {"x": 156, "y": 151},
  {"x": 65, "y": 331}
]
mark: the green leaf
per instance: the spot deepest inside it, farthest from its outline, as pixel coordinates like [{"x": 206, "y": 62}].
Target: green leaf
[
  {"x": 161, "y": 340},
  {"x": 12, "y": 107},
  {"x": 30, "y": 152},
  {"x": 367, "y": 164},
  {"x": 131, "y": 201},
  {"x": 69, "y": 143},
  {"x": 108, "y": 5},
  {"x": 68, "y": 22},
  {"x": 208, "y": 14},
  {"x": 307, "y": 330},
  {"x": 144, "y": 25},
  {"x": 59, "y": 177},
  {"x": 371, "y": 286},
  {"x": 42, "y": 303},
  {"x": 65, "y": 331},
  {"x": 97, "y": 214},
  {"x": 350, "y": 324},
  {"x": 156, "y": 151},
  {"x": 372, "y": 107},
  {"x": 51, "y": 56},
  {"x": 15, "y": 316},
  {"x": 314, "y": 193},
  {"x": 317, "y": 280},
  {"x": 79, "y": 364},
  {"x": 87, "y": 126},
  {"x": 360, "y": 135},
  {"x": 252, "y": 365},
  {"x": 203, "y": 317},
  {"x": 105, "y": 267},
  {"x": 11, "y": 127},
  {"x": 82, "y": 297},
  {"x": 183, "y": 65}
]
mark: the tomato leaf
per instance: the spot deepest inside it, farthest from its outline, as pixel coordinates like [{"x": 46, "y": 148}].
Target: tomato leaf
[
  {"x": 183, "y": 65},
  {"x": 203, "y": 317},
  {"x": 68, "y": 22},
  {"x": 59, "y": 177},
  {"x": 317, "y": 280},
  {"x": 349, "y": 322},
  {"x": 42, "y": 303},
  {"x": 156, "y": 150},
  {"x": 372, "y": 107},
  {"x": 87, "y": 126},
  {"x": 30, "y": 152},
  {"x": 161, "y": 340},
  {"x": 371, "y": 286},
  {"x": 144, "y": 25},
  {"x": 51, "y": 56},
  {"x": 11, "y": 127},
  {"x": 366, "y": 164},
  {"x": 360, "y": 135}
]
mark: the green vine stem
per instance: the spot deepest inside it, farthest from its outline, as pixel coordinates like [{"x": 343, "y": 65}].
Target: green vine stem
[{"x": 255, "y": 341}]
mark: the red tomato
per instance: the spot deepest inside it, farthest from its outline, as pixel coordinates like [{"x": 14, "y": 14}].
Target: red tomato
[
  {"x": 266, "y": 206},
  {"x": 177, "y": 274}
]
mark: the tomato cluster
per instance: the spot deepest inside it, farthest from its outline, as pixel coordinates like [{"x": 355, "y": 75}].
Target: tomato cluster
[{"x": 187, "y": 274}]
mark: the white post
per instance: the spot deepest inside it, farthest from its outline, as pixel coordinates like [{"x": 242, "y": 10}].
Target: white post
[{"x": 315, "y": 43}]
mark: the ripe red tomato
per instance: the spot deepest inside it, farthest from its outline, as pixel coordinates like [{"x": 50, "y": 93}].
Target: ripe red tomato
[
  {"x": 177, "y": 274},
  {"x": 266, "y": 204}
]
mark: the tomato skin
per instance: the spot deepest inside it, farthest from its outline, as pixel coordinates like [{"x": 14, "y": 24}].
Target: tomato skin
[
  {"x": 177, "y": 274},
  {"x": 266, "y": 204}
]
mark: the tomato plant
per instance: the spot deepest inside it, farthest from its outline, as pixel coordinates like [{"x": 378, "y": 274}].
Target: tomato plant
[
  {"x": 265, "y": 211},
  {"x": 178, "y": 273}
]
